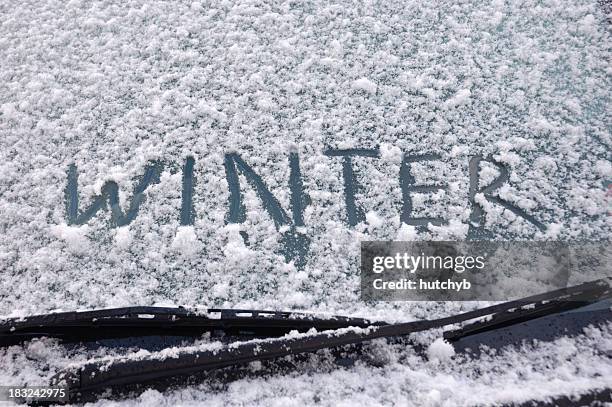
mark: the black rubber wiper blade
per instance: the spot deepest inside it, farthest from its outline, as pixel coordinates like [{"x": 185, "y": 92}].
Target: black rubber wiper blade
[
  {"x": 155, "y": 321},
  {"x": 125, "y": 371}
]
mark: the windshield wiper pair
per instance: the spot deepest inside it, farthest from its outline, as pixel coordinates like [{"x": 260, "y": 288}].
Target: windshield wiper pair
[{"x": 268, "y": 326}]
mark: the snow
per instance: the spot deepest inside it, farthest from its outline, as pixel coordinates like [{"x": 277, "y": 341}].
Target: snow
[
  {"x": 365, "y": 84},
  {"x": 537, "y": 369},
  {"x": 460, "y": 98},
  {"x": 74, "y": 237},
  {"x": 406, "y": 233},
  {"x": 440, "y": 350},
  {"x": 110, "y": 86},
  {"x": 185, "y": 242},
  {"x": 374, "y": 220},
  {"x": 123, "y": 238}
]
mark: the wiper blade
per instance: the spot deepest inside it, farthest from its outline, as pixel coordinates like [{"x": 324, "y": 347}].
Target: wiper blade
[
  {"x": 98, "y": 375},
  {"x": 149, "y": 321},
  {"x": 158, "y": 321}
]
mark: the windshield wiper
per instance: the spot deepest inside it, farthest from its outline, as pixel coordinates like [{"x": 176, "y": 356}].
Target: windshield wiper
[
  {"x": 561, "y": 302},
  {"x": 98, "y": 375},
  {"x": 158, "y": 321}
]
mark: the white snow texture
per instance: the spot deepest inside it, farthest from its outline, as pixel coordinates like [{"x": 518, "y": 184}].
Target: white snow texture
[{"x": 110, "y": 85}]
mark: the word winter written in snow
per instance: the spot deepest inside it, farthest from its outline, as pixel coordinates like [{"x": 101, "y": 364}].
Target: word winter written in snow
[{"x": 295, "y": 245}]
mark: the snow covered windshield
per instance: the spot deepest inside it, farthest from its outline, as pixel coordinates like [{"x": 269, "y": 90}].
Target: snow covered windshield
[{"x": 235, "y": 155}]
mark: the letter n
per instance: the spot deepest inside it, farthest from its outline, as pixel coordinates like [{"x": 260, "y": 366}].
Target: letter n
[{"x": 295, "y": 244}]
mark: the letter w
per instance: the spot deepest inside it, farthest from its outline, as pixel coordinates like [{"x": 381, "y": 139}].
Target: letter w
[{"x": 110, "y": 195}]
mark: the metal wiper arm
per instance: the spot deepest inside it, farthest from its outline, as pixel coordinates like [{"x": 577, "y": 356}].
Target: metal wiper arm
[
  {"x": 98, "y": 375},
  {"x": 561, "y": 300},
  {"x": 513, "y": 317}
]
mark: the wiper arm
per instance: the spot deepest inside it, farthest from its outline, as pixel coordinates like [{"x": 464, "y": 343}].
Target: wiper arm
[
  {"x": 125, "y": 371},
  {"x": 514, "y": 316}
]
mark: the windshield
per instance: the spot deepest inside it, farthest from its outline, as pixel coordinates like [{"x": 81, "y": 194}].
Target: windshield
[{"x": 237, "y": 154}]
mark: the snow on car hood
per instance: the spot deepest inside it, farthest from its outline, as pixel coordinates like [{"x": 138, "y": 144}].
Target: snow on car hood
[{"x": 235, "y": 155}]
